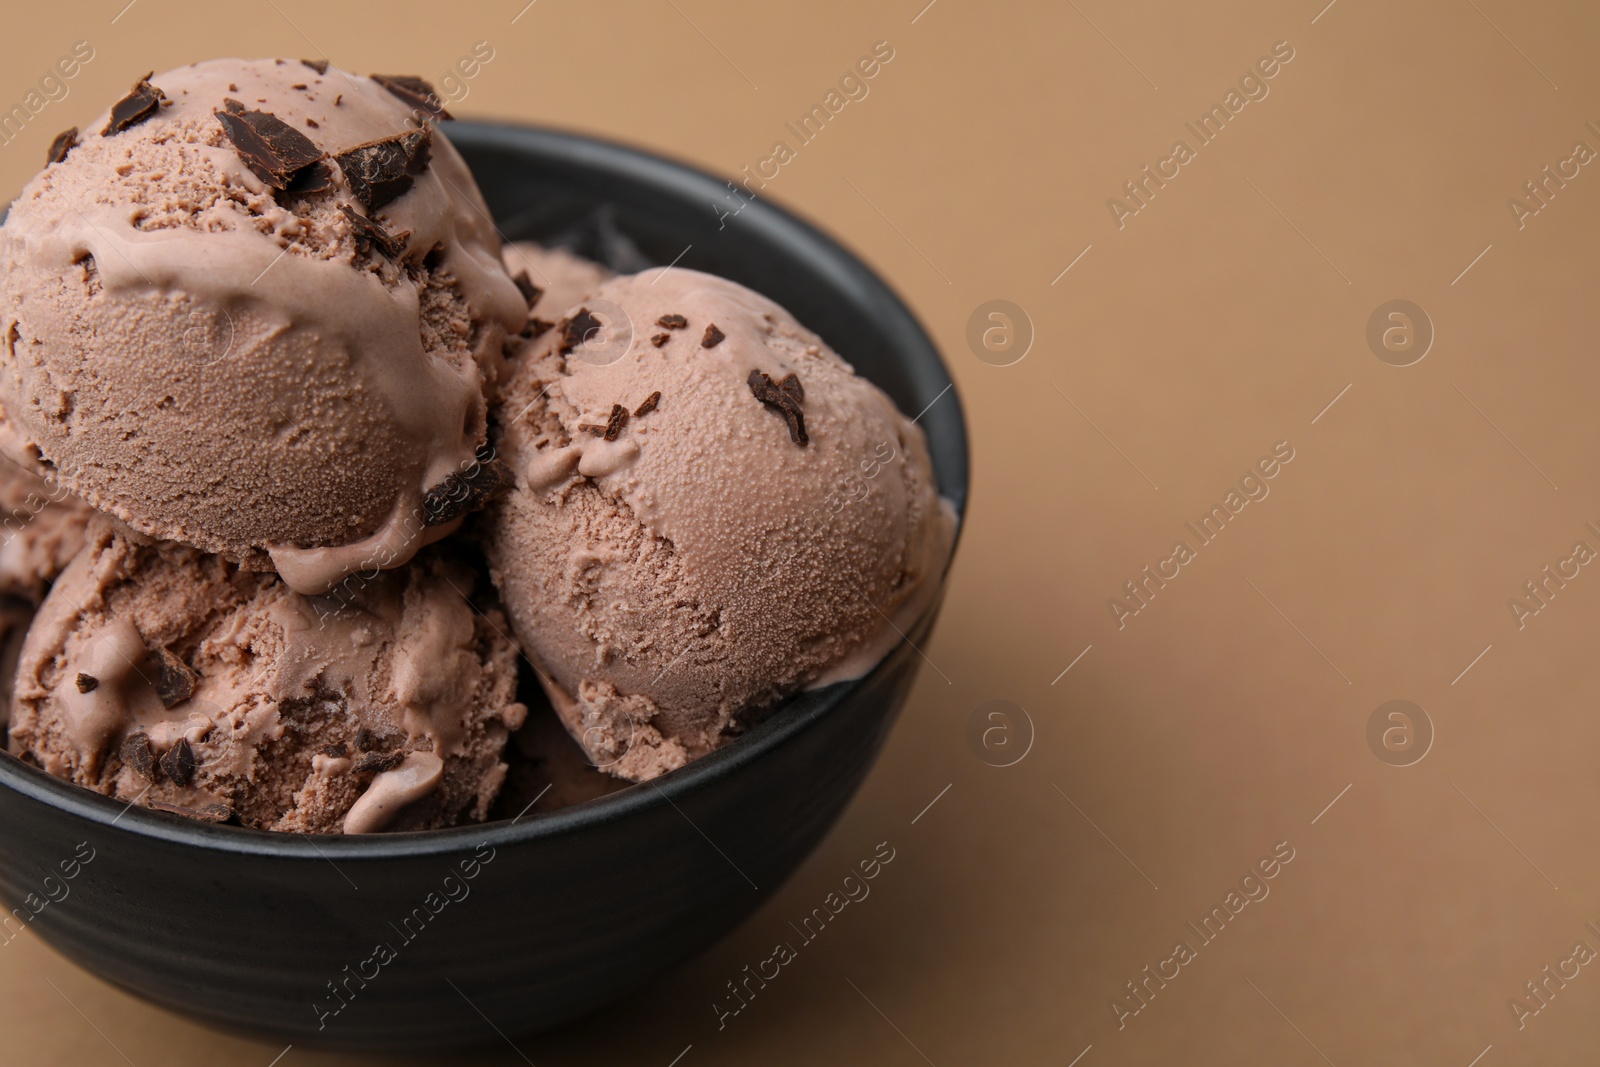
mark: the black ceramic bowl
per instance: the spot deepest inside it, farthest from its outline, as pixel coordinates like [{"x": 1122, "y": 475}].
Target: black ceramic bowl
[{"x": 532, "y": 923}]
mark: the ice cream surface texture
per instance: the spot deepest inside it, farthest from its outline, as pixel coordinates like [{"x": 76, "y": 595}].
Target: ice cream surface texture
[
  {"x": 41, "y": 529},
  {"x": 256, "y": 308},
  {"x": 712, "y": 511},
  {"x": 158, "y": 673}
]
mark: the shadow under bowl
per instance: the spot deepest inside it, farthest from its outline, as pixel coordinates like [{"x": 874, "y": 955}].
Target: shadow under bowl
[{"x": 412, "y": 941}]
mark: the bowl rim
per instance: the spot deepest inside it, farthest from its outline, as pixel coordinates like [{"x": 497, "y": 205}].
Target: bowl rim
[{"x": 792, "y": 716}]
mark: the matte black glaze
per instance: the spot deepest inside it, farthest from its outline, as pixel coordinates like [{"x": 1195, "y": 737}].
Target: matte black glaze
[{"x": 246, "y": 930}]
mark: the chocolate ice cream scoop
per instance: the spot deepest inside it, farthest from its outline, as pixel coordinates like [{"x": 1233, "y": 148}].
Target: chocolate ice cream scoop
[
  {"x": 712, "y": 511},
  {"x": 169, "y": 677},
  {"x": 255, "y": 308}
]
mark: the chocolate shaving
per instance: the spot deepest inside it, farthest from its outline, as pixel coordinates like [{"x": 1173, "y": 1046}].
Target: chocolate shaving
[
  {"x": 530, "y": 292},
  {"x": 575, "y": 331},
  {"x": 318, "y": 65},
  {"x": 87, "y": 683},
  {"x": 784, "y": 398},
  {"x": 382, "y": 170},
  {"x": 270, "y": 147},
  {"x": 213, "y": 813},
  {"x": 713, "y": 337},
  {"x": 648, "y": 406},
  {"x": 414, "y": 91},
  {"x": 179, "y": 762},
  {"x": 672, "y": 322},
  {"x": 615, "y": 424},
  {"x": 378, "y": 762},
  {"x": 339, "y": 751},
  {"x": 459, "y": 494},
  {"x": 65, "y": 142},
  {"x": 365, "y": 739},
  {"x": 137, "y": 753},
  {"x": 660, "y": 339},
  {"x": 142, "y": 102},
  {"x": 370, "y": 235},
  {"x": 537, "y": 328},
  {"x": 300, "y": 85},
  {"x": 313, "y": 123},
  {"x": 174, "y": 678}
]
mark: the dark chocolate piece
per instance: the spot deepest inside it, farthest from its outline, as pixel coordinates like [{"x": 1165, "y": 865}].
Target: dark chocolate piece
[
  {"x": 660, "y": 339},
  {"x": 783, "y": 398},
  {"x": 414, "y": 91},
  {"x": 459, "y": 494},
  {"x": 377, "y": 762},
  {"x": 270, "y": 147},
  {"x": 576, "y": 330},
  {"x": 65, "y": 142},
  {"x": 313, "y": 123},
  {"x": 370, "y": 235},
  {"x": 713, "y": 337},
  {"x": 179, "y": 762},
  {"x": 137, "y": 753},
  {"x": 537, "y": 328},
  {"x": 648, "y": 406},
  {"x": 672, "y": 322},
  {"x": 530, "y": 292},
  {"x": 232, "y": 106},
  {"x": 300, "y": 85},
  {"x": 318, "y": 65},
  {"x": 142, "y": 102},
  {"x": 339, "y": 751},
  {"x": 317, "y": 178},
  {"x": 87, "y": 683},
  {"x": 213, "y": 813},
  {"x": 174, "y": 678},
  {"x": 364, "y": 739},
  {"x": 615, "y": 424},
  {"x": 382, "y": 170}
]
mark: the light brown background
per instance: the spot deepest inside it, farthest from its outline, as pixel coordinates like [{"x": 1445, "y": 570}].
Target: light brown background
[{"x": 1222, "y": 320}]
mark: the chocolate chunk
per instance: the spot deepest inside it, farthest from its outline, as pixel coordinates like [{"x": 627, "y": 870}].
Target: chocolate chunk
[
  {"x": 318, "y": 65},
  {"x": 174, "y": 678},
  {"x": 179, "y": 762},
  {"x": 530, "y": 292},
  {"x": 660, "y": 339},
  {"x": 87, "y": 683},
  {"x": 783, "y": 398},
  {"x": 648, "y": 406},
  {"x": 313, "y": 123},
  {"x": 459, "y": 494},
  {"x": 232, "y": 88},
  {"x": 713, "y": 337},
  {"x": 300, "y": 85},
  {"x": 370, "y": 235},
  {"x": 615, "y": 424},
  {"x": 415, "y": 92},
  {"x": 145, "y": 100},
  {"x": 377, "y": 762},
  {"x": 270, "y": 147},
  {"x": 65, "y": 142},
  {"x": 672, "y": 322},
  {"x": 339, "y": 751},
  {"x": 137, "y": 753},
  {"x": 232, "y": 106},
  {"x": 365, "y": 739},
  {"x": 317, "y": 178},
  {"x": 537, "y": 328},
  {"x": 213, "y": 813},
  {"x": 381, "y": 170},
  {"x": 576, "y": 330}
]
